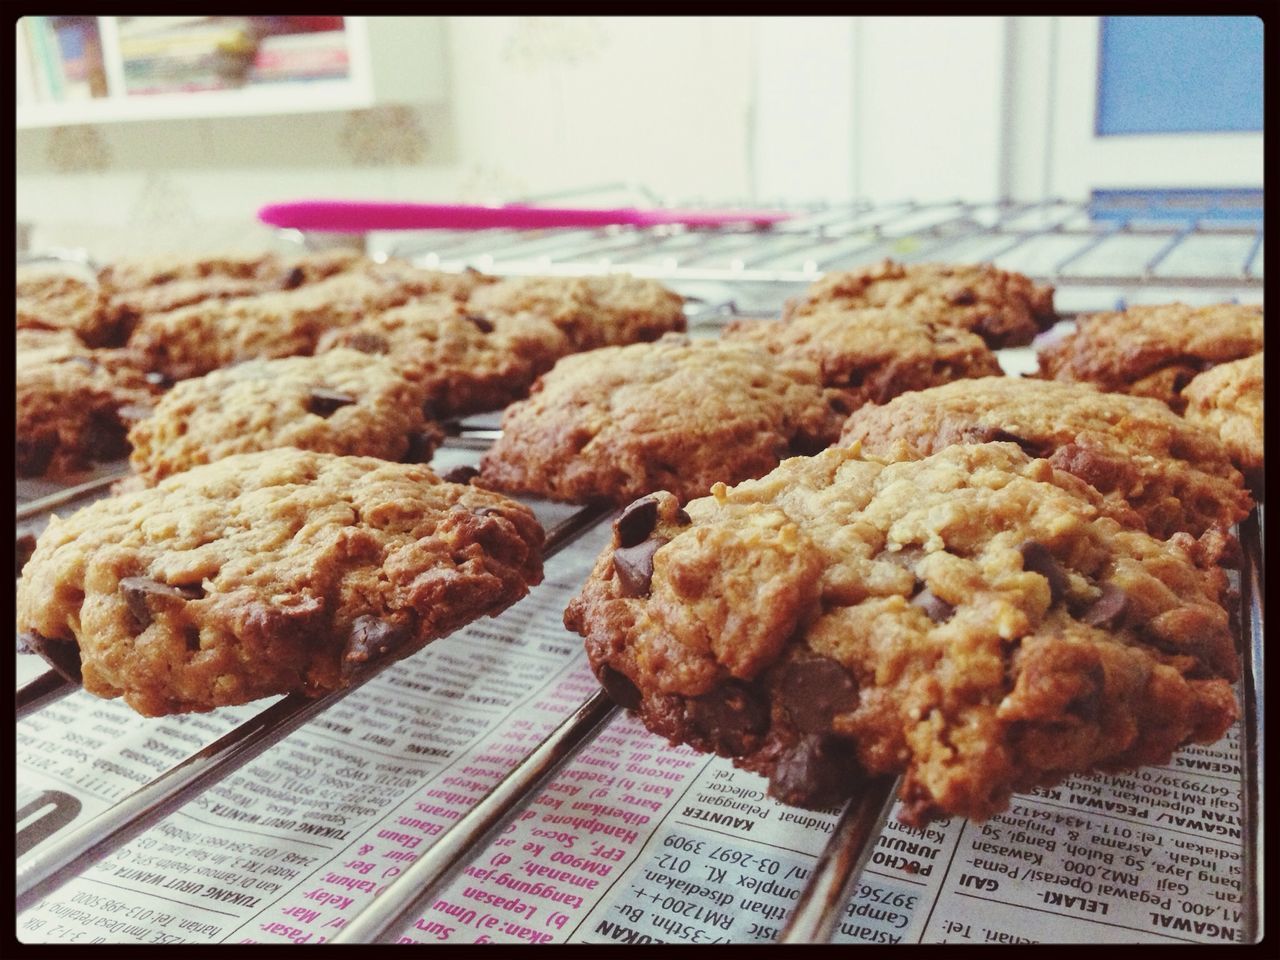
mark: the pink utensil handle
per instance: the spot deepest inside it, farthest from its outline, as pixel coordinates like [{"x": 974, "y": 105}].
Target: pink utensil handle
[{"x": 359, "y": 216}]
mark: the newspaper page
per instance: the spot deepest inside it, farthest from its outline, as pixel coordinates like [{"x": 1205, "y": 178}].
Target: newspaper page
[{"x": 634, "y": 841}]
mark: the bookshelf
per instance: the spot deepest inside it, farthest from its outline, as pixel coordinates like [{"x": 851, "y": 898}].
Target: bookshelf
[{"x": 76, "y": 70}]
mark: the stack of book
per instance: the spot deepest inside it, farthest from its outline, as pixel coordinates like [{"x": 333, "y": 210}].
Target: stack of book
[
  {"x": 184, "y": 54},
  {"x": 60, "y": 60},
  {"x": 295, "y": 57}
]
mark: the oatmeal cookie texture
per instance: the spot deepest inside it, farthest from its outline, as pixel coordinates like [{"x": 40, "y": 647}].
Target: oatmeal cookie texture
[
  {"x": 873, "y": 355},
  {"x": 1228, "y": 400},
  {"x": 593, "y": 312},
  {"x": 214, "y": 333},
  {"x": 342, "y": 402},
  {"x": 53, "y": 299},
  {"x": 269, "y": 573},
  {"x": 618, "y": 422},
  {"x": 1005, "y": 309},
  {"x": 73, "y": 404},
  {"x": 976, "y": 620},
  {"x": 465, "y": 361},
  {"x": 1175, "y": 475},
  {"x": 1154, "y": 351}
]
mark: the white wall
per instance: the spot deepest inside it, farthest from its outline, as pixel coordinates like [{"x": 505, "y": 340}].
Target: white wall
[{"x": 727, "y": 109}]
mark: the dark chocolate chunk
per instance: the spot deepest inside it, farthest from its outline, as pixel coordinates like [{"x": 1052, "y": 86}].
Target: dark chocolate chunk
[
  {"x": 369, "y": 639},
  {"x": 817, "y": 772},
  {"x": 25, "y": 546},
  {"x": 939, "y": 610},
  {"x": 683, "y": 518},
  {"x": 634, "y": 566},
  {"x": 460, "y": 474},
  {"x": 1037, "y": 559},
  {"x": 483, "y": 324},
  {"x": 964, "y": 298},
  {"x": 421, "y": 446},
  {"x": 324, "y": 402},
  {"x": 62, "y": 655},
  {"x": 636, "y": 522},
  {"x": 368, "y": 342},
  {"x": 1030, "y": 447},
  {"x": 619, "y": 687},
  {"x": 728, "y": 714},
  {"x": 1109, "y": 610},
  {"x": 813, "y": 691},
  {"x": 293, "y": 279},
  {"x": 141, "y": 592}
]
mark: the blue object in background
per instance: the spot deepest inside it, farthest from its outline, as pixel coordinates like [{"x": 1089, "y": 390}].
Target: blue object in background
[{"x": 1179, "y": 75}]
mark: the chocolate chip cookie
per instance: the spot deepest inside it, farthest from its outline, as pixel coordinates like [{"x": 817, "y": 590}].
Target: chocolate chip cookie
[
  {"x": 1228, "y": 400},
  {"x": 52, "y": 298},
  {"x": 73, "y": 404},
  {"x": 465, "y": 362},
  {"x": 1005, "y": 309},
  {"x": 873, "y": 355},
  {"x": 342, "y": 402},
  {"x": 977, "y": 620},
  {"x": 618, "y": 422},
  {"x": 1154, "y": 351},
  {"x": 594, "y": 311},
  {"x": 265, "y": 573},
  {"x": 1174, "y": 474},
  {"x": 282, "y": 323},
  {"x": 140, "y": 273}
]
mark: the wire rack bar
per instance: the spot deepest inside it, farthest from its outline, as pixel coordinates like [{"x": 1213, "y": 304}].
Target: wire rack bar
[
  {"x": 65, "y": 857},
  {"x": 34, "y": 508},
  {"x": 1149, "y": 268},
  {"x": 1253, "y": 786},
  {"x": 517, "y": 788},
  {"x": 798, "y": 251},
  {"x": 1252, "y": 255},
  {"x": 818, "y": 908},
  {"x": 1098, "y": 239},
  {"x": 40, "y": 692}
]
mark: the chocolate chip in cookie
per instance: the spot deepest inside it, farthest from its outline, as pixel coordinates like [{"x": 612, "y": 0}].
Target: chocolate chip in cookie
[
  {"x": 634, "y": 566},
  {"x": 324, "y": 403}
]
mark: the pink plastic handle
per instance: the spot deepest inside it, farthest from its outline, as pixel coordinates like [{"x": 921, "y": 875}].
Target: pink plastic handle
[{"x": 360, "y": 216}]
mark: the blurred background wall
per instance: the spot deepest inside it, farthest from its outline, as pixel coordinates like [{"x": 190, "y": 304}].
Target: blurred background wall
[{"x": 720, "y": 109}]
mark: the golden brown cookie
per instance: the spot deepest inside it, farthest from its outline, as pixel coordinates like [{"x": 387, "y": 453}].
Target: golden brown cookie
[
  {"x": 872, "y": 355},
  {"x": 466, "y": 362},
  {"x": 977, "y": 621},
  {"x": 594, "y": 311},
  {"x": 615, "y": 423},
  {"x": 55, "y": 298},
  {"x": 284, "y": 571},
  {"x": 1005, "y": 309},
  {"x": 1154, "y": 351},
  {"x": 1228, "y": 400},
  {"x": 1174, "y": 474},
  {"x": 342, "y": 402},
  {"x": 73, "y": 404}
]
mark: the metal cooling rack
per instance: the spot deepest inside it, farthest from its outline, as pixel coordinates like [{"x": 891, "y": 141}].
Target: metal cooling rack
[{"x": 1096, "y": 258}]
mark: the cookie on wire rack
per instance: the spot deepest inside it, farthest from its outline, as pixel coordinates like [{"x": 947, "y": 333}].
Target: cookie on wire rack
[
  {"x": 1006, "y": 309},
  {"x": 977, "y": 621},
  {"x": 342, "y": 402},
  {"x": 1175, "y": 474},
  {"x": 285, "y": 571},
  {"x": 618, "y": 422}
]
